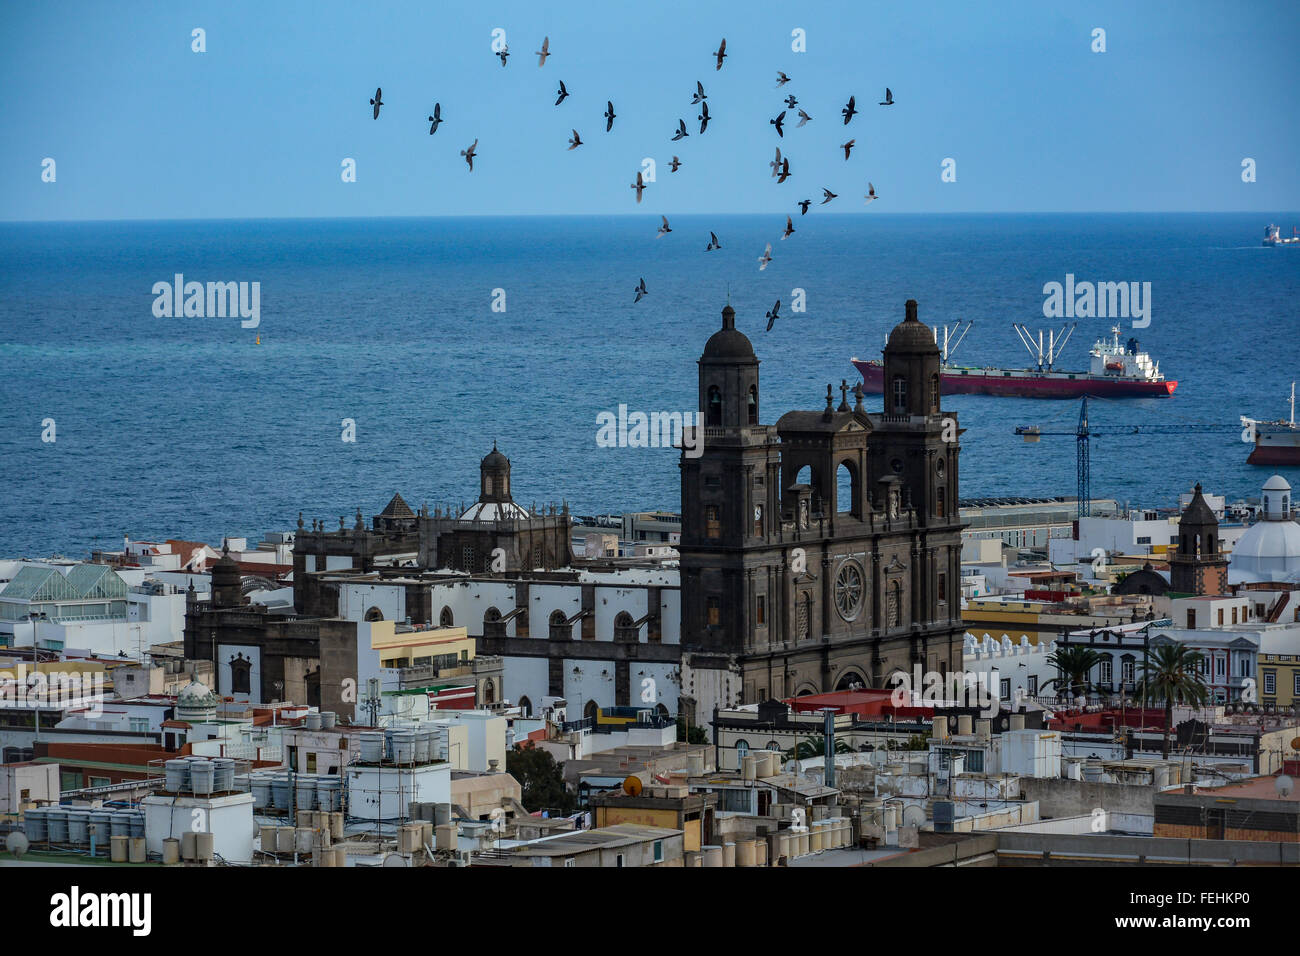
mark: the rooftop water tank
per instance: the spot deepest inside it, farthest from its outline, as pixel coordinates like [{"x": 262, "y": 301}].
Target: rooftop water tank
[
  {"x": 372, "y": 746},
  {"x": 79, "y": 827},
  {"x": 202, "y": 774},
  {"x": 223, "y": 774},
  {"x": 34, "y": 825}
]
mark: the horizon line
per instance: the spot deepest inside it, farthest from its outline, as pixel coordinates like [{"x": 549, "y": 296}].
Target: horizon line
[{"x": 631, "y": 215}]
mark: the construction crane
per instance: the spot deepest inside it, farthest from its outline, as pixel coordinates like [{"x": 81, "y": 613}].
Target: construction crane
[{"x": 1085, "y": 432}]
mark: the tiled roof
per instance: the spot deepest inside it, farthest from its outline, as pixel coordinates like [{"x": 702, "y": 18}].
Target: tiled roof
[{"x": 397, "y": 508}]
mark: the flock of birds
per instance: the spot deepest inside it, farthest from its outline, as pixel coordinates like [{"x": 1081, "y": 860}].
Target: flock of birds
[{"x": 780, "y": 165}]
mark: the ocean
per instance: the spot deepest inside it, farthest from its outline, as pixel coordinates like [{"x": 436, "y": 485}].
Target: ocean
[{"x": 187, "y": 427}]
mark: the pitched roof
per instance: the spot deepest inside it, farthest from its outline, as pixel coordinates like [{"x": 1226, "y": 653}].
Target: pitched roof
[{"x": 397, "y": 508}]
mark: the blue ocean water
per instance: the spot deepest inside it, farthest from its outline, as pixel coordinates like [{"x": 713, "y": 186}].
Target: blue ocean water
[{"x": 184, "y": 427}]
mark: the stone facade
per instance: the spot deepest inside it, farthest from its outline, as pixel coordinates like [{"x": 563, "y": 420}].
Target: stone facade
[{"x": 787, "y": 590}]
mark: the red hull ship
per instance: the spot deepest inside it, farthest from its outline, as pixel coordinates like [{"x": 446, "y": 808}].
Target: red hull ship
[{"x": 1118, "y": 371}]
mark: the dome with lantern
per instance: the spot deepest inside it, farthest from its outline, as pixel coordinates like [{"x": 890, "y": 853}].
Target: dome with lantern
[
  {"x": 196, "y": 703},
  {"x": 1270, "y": 548}
]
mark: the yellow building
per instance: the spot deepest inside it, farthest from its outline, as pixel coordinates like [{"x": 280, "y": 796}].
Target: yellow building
[
  {"x": 1279, "y": 679},
  {"x": 672, "y": 808}
]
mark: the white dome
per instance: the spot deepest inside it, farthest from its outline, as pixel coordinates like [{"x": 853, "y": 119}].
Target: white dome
[
  {"x": 1268, "y": 551},
  {"x": 195, "y": 692},
  {"x": 1277, "y": 483}
]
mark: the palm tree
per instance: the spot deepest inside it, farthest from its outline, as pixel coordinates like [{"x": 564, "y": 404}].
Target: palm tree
[
  {"x": 1073, "y": 664},
  {"x": 1172, "y": 673}
]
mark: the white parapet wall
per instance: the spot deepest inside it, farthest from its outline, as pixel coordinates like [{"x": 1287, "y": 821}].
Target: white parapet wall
[{"x": 228, "y": 817}]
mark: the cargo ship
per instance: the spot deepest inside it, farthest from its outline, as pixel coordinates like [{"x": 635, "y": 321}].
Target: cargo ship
[
  {"x": 1276, "y": 443},
  {"x": 1273, "y": 236},
  {"x": 1117, "y": 370}
]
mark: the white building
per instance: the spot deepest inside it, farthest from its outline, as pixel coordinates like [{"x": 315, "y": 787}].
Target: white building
[{"x": 1269, "y": 550}]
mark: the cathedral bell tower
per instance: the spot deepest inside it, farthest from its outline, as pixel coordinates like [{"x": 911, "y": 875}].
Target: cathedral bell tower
[{"x": 1198, "y": 566}]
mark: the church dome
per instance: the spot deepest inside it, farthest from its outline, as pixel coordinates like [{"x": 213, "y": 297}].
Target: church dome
[
  {"x": 729, "y": 343},
  {"x": 912, "y": 335},
  {"x": 1270, "y": 548},
  {"x": 494, "y": 459},
  {"x": 196, "y": 702}
]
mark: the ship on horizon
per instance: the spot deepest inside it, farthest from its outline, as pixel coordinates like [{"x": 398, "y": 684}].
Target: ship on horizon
[
  {"x": 1273, "y": 236},
  {"x": 1276, "y": 442},
  {"x": 1117, "y": 370}
]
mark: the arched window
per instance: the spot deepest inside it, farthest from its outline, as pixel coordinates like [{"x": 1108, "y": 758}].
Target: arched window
[
  {"x": 773, "y": 745},
  {"x": 312, "y": 681},
  {"x": 845, "y": 489},
  {"x": 713, "y": 414},
  {"x": 742, "y": 750},
  {"x": 624, "y": 632},
  {"x": 753, "y": 404},
  {"x": 560, "y": 631},
  {"x": 900, "y": 395},
  {"x": 591, "y": 711},
  {"x": 241, "y": 669},
  {"x": 489, "y": 691},
  {"x": 492, "y": 623},
  {"x": 525, "y": 706},
  {"x": 374, "y": 614},
  {"x": 445, "y": 619}
]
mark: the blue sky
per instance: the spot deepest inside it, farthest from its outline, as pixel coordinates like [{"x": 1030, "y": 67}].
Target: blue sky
[{"x": 142, "y": 127}]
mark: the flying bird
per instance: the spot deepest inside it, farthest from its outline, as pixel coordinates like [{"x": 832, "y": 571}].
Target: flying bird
[
  {"x": 641, "y": 290},
  {"x": 377, "y": 101},
  {"x": 561, "y": 95},
  {"x": 780, "y": 119},
  {"x": 576, "y": 141},
  {"x": 781, "y": 79},
  {"x": 871, "y": 195},
  {"x": 785, "y": 170},
  {"x": 505, "y": 52},
  {"x": 847, "y": 147},
  {"x": 765, "y": 258},
  {"x": 703, "y": 117},
  {"x": 789, "y": 228},
  {"x": 889, "y": 98},
  {"x": 849, "y": 111},
  {"x": 469, "y": 154},
  {"x": 700, "y": 95},
  {"x": 773, "y": 314},
  {"x": 803, "y": 205},
  {"x": 776, "y": 163},
  {"x": 829, "y": 196},
  {"x": 639, "y": 186},
  {"x": 436, "y": 118},
  {"x": 674, "y": 165},
  {"x": 791, "y": 102},
  {"x": 544, "y": 52},
  {"x": 609, "y": 115},
  {"x": 721, "y": 52},
  {"x": 713, "y": 242},
  {"x": 681, "y": 130},
  {"x": 803, "y": 117},
  {"x": 664, "y": 229}
]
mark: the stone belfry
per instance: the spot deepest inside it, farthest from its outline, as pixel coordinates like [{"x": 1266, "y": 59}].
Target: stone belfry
[
  {"x": 1198, "y": 566},
  {"x": 823, "y": 552}
]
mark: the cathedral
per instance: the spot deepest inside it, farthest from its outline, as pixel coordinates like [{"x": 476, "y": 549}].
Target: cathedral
[{"x": 823, "y": 552}]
